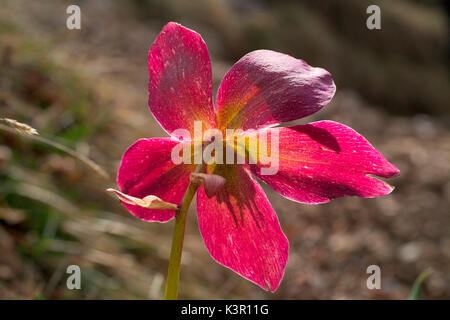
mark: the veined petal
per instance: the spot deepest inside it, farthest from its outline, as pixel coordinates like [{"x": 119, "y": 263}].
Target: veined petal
[
  {"x": 266, "y": 88},
  {"x": 147, "y": 169},
  {"x": 241, "y": 230},
  {"x": 324, "y": 160},
  {"x": 180, "y": 81}
]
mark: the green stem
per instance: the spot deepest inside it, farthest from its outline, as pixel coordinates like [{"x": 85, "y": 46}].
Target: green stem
[{"x": 173, "y": 273}]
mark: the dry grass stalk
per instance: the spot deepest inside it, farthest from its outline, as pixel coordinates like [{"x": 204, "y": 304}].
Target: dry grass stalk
[
  {"x": 16, "y": 127},
  {"x": 19, "y": 126}
]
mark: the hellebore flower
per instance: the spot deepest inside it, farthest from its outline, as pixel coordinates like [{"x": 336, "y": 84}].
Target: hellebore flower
[{"x": 318, "y": 162}]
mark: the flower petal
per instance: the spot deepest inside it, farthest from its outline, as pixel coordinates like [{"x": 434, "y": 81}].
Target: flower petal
[
  {"x": 324, "y": 160},
  {"x": 147, "y": 169},
  {"x": 180, "y": 81},
  {"x": 265, "y": 88},
  {"x": 241, "y": 230},
  {"x": 149, "y": 202}
]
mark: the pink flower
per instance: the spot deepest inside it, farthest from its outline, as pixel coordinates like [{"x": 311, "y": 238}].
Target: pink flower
[{"x": 318, "y": 162}]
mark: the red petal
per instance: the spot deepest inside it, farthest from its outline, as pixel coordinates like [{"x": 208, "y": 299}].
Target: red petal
[
  {"x": 147, "y": 169},
  {"x": 180, "y": 81},
  {"x": 324, "y": 160},
  {"x": 241, "y": 230},
  {"x": 266, "y": 88}
]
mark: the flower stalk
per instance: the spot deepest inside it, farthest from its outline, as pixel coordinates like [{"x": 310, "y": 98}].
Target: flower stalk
[{"x": 173, "y": 273}]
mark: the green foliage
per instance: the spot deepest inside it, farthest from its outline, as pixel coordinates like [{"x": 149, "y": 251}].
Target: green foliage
[{"x": 415, "y": 291}]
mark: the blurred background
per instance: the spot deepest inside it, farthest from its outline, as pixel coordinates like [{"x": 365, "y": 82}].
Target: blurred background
[{"x": 87, "y": 90}]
